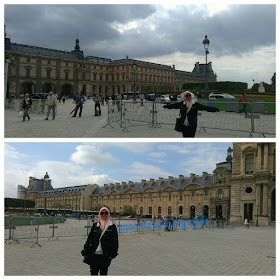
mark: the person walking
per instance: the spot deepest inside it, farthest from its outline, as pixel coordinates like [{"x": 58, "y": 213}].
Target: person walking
[
  {"x": 188, "y": 112},
  {"x": 244, "y": 101},
  {"x": 51, "y": 103},
  {"x": 26, "y": 105},
  {"x": 102, "y": 244}
]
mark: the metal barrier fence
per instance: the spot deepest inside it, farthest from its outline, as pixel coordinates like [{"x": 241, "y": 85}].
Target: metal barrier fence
[
  {"x": 38, "y": 105},
  {"x": 32, "y": 229},
  {"x": 259, "y": 117}
]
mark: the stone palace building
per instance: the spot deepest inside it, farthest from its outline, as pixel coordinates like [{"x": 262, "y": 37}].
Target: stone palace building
[
  {"x": 242, "y": 187},
  {"x": 35, "y": 69}
]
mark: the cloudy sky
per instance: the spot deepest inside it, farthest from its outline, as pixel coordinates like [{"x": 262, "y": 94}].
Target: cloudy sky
[
  {"x": 70, "y": 164},
  {"x": 242, "y": 36}
]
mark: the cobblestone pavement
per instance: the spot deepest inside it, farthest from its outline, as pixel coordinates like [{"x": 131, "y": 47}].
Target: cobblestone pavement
[
  {"x": 90, "y": 126},
  {"x": 224, "y": 252}
]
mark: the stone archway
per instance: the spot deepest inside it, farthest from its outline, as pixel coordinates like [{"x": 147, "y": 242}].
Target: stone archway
[
  {"x": 67, "y": 90},
  {"x": 27, "y": 87},
  {"x": 47, "y": 87}
]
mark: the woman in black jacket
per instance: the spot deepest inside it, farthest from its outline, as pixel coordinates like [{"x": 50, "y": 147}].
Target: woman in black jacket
[
  {"x": 188, "y": 112},
  {"x": 26, "y": 105},
  {"x": 102, "y": 244}
]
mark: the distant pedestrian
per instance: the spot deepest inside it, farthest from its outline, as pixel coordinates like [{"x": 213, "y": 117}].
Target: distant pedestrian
[
  {"x": 63, "y": 99},
  {"x": 118, "y": 101},
  {"x": 102, "y": 244},
  {"x": 26, "y": 105},
  {"x": 142, "y": 99},
  {"x": 244, "y": 101},
  {"x": 188, "y": 113},
  {"x": 51, "y": 103},
  {"x": 102, "y": 99},
  {"x": 97, "y": 99}
]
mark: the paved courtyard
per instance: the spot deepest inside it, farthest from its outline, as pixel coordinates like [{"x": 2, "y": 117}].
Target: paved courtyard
[
  {"x": 225, "y": 252},
  {"x": 90, "y": 126}
]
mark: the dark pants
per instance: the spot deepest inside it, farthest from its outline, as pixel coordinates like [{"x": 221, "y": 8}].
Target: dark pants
[
  {"x": 100, "y": 263},
  {"x": 97, "y": 105},
  {"x": 76, "y": 111},
  {"x": 188, "y": 131}
]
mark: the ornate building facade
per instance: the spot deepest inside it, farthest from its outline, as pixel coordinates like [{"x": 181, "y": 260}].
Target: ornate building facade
[
  {"x": 242, "y": 187},
  {"x": 37, "y": 70}
]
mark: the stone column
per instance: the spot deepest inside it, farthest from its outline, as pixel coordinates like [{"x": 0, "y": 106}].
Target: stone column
[
  {"x": 266, "y": 156},
  {"x": 265, "y": 196}
]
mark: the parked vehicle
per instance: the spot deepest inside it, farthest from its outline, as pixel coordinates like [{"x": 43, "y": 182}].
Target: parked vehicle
[
  {"x": 152, "y": 97},
  {"x": 164, "y": 99},
  {"x": 220, "y": 95}
]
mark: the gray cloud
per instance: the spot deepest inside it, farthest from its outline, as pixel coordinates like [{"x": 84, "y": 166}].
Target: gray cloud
[{"x": 154, "y": 31}]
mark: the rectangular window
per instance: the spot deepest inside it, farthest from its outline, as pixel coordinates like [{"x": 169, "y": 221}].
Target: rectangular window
[
  {"x": 181, "y": 195},
  {"x": 66, "y": 76},
  {"x": 206, "y": 194},
  {"x": 27, "y": 72},
  {"x": 220, "y": 193},
  {"x": 159, "y": 196},
  {"x": 84, "y": 76},
  {"x": 193, "y": 195},
  {"x": 28, "y": 59},
  {"x": 48, "y": 74},
  {"x": 249, "y": 163},
  {"x": 169, "y": 196}
]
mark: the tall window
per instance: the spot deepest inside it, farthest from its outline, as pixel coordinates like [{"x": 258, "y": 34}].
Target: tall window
[
  {"x": 169, "y": 196},
  {"x": 66, "y": 76},
  {"x": 169, "y": 210},
  {"x": 159, "y": 196},
  {"x": 249, "y": 163},
  {"x": 206, "y": 194},
  {"x": 83, "y": 76},
  {"x": 159, "y": 210},
  {"x": 27, "y": 72},
  {"x": 193, "y": 195},
  {"x": 151, "y": 197},
  {"x": 48, "y": 74},
  {"x": 220, "y": 193},
  {"x": 141, "y": 197},
  {"x": 181, "y": 195}
]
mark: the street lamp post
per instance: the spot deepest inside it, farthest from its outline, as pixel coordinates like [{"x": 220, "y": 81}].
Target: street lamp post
[
  {"x": 206, "y": 43},
  {"x": 134, "y": 89}
]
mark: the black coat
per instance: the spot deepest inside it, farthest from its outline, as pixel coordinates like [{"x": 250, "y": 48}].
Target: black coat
[
  {"x": 192, "y": 114},
  {"x": 109, "y": 241},
  {"x": 28, "y": 104}
]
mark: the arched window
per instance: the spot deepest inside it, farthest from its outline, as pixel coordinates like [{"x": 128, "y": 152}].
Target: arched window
[
  {"x": 180, "y": 210},
  {"x": 169, "y": 210}
]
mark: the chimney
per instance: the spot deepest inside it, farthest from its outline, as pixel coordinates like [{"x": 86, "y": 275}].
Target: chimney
[
  {"x": 197, "y": 67},
  {"x": 123, "y": 184},
  {"x": 181, "y": 177},
  {"x": 143, "y": 183},
  {"x": 192, "y": 177},
  {"x": 170, "y": 178},
  {"x": 204, "y": 175},
  {"x": 117, "y": 185},
  {"x": 130, "y": 184},
  {"x": 160, "y": 179},
  {"x": 151, "y": 181},
  {"x": 106, "y": 186}
]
